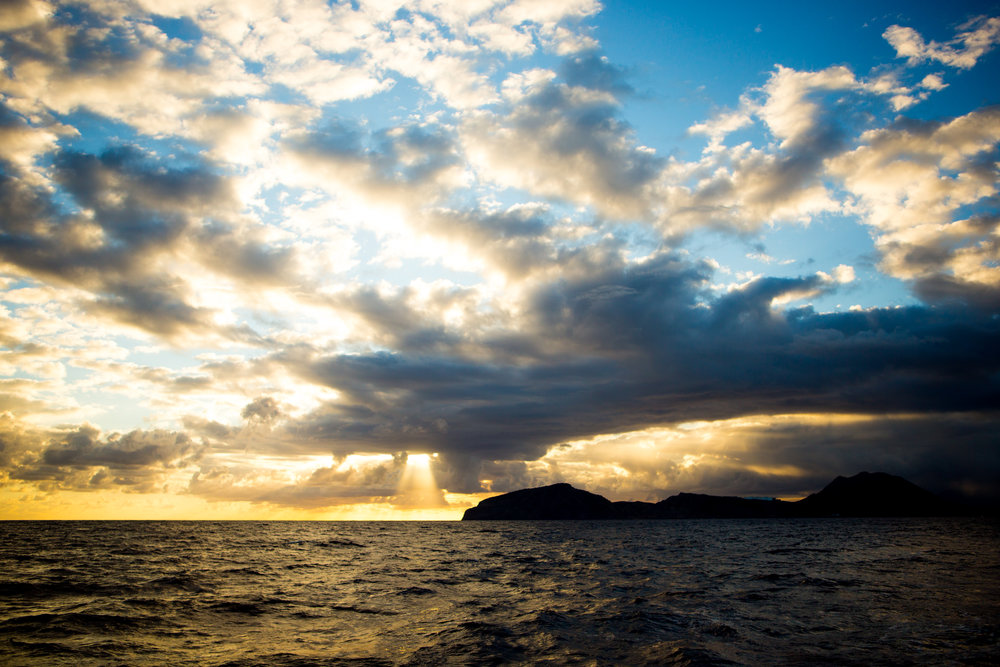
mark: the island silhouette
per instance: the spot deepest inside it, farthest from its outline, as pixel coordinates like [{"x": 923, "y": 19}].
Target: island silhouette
[{"x": 867, "y": 494}]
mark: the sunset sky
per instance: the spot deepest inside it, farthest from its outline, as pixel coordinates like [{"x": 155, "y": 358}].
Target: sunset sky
[{"x": 269, "y": 259}]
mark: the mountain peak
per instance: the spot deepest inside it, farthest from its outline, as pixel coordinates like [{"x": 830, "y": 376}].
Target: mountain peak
[{"x": 875, "y": 494}]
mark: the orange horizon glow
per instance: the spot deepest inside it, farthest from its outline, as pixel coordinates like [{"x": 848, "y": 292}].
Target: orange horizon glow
[{"x": 121, "y": 506}]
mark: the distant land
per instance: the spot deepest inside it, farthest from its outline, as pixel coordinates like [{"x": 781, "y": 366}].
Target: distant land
[{"x": 867, "y": 494}]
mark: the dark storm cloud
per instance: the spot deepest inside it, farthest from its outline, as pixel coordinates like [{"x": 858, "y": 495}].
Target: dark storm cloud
[
  {"x": 629, "y": 348},
  {"x": 385, "y": 380},
  {"x": 391, "y": 402},
  {"x": 946, "y": 289}
]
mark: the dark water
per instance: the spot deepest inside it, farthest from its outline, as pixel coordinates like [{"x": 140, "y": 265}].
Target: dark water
[{"x": 838, "y": 591}]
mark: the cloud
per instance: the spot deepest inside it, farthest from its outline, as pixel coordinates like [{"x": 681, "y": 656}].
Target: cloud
[
  {"x": 913, "y": 183},
  {"x": 933, "y": 82},
  {"x": 282, "y": 231},
  {"x": 631, "y": 348},
  {"x": 791, "y": 110},
  {"x": 721, "y": 125},
  {"x": 401, "y": 163},
  {"x": 520, "y": 243},
  {"x": 123, "y": 230},
  {"x": 125, "y": 70},
  {"x": 133, "y": 217},
  {"x": 20, "y": 14},
  {"x": 788, "y": 456},
  {"x": 626, "y": 348},
  {"x": 570, "y": 142},
  {"x": 595, "y": 72},
  {"x": 85, "y": 460},
  {"x": 348, "y": 482},
  {"x": 21, "y": 143},
  {"x": 812, "y": 116},
  {"x": 978, "y": 38},
  {"x": 264, "y": 410},
  {"x": 924, "y": 188},
  {"x": 133, "y": 450},
  {"x": 122, "y": 182}
]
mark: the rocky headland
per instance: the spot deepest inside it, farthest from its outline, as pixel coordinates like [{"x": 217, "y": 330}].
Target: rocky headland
[{"x": 866, "y": 494}]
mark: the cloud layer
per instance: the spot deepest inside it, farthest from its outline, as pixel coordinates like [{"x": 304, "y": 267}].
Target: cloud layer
[{"x": 265, "y": 251}]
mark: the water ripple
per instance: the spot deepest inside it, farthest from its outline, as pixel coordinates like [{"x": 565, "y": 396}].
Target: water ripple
[{"x": 605, "y": 593}]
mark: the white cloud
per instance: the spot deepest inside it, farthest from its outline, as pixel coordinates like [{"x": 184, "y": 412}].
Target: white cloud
[
  {"x": 788, "y": 109},
  {"x": 547, "y": 12},
  {"x": 842, "y": 274},
  {"x": 721, "y": 125},
  {"x": 962, "y": 52},
  {"x": 565, "y": 142},
  {"x": 912, "y": 185},
  {"x": 933, "y": 82}
]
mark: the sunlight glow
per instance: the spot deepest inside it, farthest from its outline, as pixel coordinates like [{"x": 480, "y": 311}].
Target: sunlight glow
[
  {"x": 417, "y": 487},
  {"x": 681, "y": 457}
]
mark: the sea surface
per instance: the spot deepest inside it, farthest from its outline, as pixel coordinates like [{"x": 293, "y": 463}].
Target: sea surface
[{"x": 697, "y": 592}]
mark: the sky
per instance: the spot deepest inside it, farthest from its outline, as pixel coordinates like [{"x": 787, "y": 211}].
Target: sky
[{"x": 269, "y": 259}]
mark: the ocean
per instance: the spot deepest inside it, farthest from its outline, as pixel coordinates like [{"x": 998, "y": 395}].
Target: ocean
[{"x": 687, "y": 592}]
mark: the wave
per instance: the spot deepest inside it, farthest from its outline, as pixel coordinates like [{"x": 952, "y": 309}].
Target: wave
[
  {"x": 364, "y": 610},
  {"x": 684, "y": 593},
  {"x": 74, "y": 623}
]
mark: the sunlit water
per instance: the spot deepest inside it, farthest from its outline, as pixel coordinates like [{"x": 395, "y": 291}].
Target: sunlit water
[{"x": 843, "y": 591}]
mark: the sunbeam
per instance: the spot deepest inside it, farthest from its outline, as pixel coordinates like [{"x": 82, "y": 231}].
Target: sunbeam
[{"x": 417, "y": 487}]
